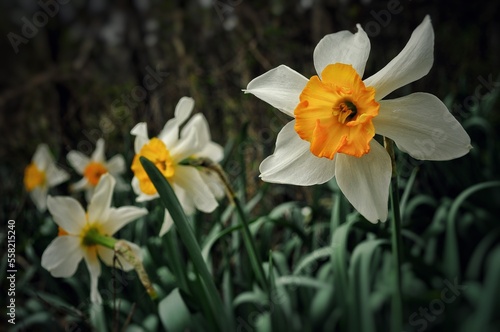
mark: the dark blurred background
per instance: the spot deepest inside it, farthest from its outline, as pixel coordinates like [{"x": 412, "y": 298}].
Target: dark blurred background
[{"x": 73, "y": 71}]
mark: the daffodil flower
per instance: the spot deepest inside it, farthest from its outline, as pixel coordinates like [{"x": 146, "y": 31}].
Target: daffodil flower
[
  {"x": 94, "y": 167},
  {"x": 41, "y": 174},
  {"x": 170, "y": 152},
  {"x": 337, "y": 114},
  {"x": 88, "y": 234}
]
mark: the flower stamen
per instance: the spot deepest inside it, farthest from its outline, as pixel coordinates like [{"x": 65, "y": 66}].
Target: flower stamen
[
  {"x": 335, "y": 113},
  {"x": 346, "y": 111}
]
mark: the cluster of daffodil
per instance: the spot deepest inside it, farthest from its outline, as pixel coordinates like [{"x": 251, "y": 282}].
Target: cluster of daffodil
[
  {"x": 89, "y": 234},
  {"x": 336, "y": 116}
]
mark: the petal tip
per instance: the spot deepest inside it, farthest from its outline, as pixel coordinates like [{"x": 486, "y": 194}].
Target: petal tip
[{"x": 360, "y": 28}]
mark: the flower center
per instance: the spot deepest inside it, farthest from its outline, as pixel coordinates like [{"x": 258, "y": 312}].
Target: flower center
[
  {"x": 335, "y": 113},
  {"x": 88, "y": 233},
  {"x": 345, "y": 111},
  {"x": 156, "y": 151},
  {"x": 94, "y": 171},
  {"x": 33, "y": 177}
]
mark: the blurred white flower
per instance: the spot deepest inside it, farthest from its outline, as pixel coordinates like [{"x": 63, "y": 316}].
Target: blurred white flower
[
  {"x": 41, "y": 174},
  {"x": 94, "y": 167},
  {"x": 80, "y": 231}
]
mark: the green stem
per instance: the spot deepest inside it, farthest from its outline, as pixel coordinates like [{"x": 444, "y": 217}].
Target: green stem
[
  {"x": 250, "y": 246},
  {"x": 247, "y": 235},
  {"x": 397, "y": 302},
  {"x": 171, "y": 203},
  {"x": 93, "y": 237}
]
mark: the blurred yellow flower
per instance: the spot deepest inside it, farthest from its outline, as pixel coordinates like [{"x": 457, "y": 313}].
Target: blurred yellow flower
[{"x": 41, "y": 174}]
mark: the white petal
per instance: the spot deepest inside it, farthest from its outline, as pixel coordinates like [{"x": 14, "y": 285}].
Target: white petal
[
  {"x": 67, "y": 213},
  {"x": 213, "y": 182},
  {"x": 200, "y": 124},
  {"x": 83, "y": 183},
  {"x": 116, "y": 165},
  {"x": 190, "y": 180},
  {"x": 135, "y": 186},
  {"x": 119, "y": 217},
  {"x": 414, "y": 62},
  {"x": 39, "y": 197},
  {"x": 56, "y": 175},
  {"x": 89, "y": 192},
  {"x": 167, "y": 223},
  {"x": 108, "y": 256},
  {"x": 100, "y": 203},
  {"x": 293, "y": 162},
  {"x": 365, "y": 181},
  {"x": 343, "y": 47},
  {"x": 186, "y": 147},
  {"x": 183, "y": 109},
  {"x": 422, "y": 126},
  {"x": 208, "y": 149},
  {"x": 98, "y": 154},
  {"x": 279, "y": 87},
  {"x": 62, "y": 256},
  {"x": 170, "y": 133},
  {"x": 78, "y": 161},
  {"x": 185, "y": 199},
  {"x": 140, "y": 131},
  {"x": 213, "y": 151},
  {"x": 95, "y": 271},
  {"x": 42, "y": 157}
]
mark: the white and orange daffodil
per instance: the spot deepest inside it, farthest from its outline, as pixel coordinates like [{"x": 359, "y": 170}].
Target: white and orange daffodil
[
  {"x": 337, "y": 114},
  {"x": 94, "y": 167},
  {"x": 169, "y": 151},
  {"x": 41, "y": 174},
  {"x": 81, "y": 234}
]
